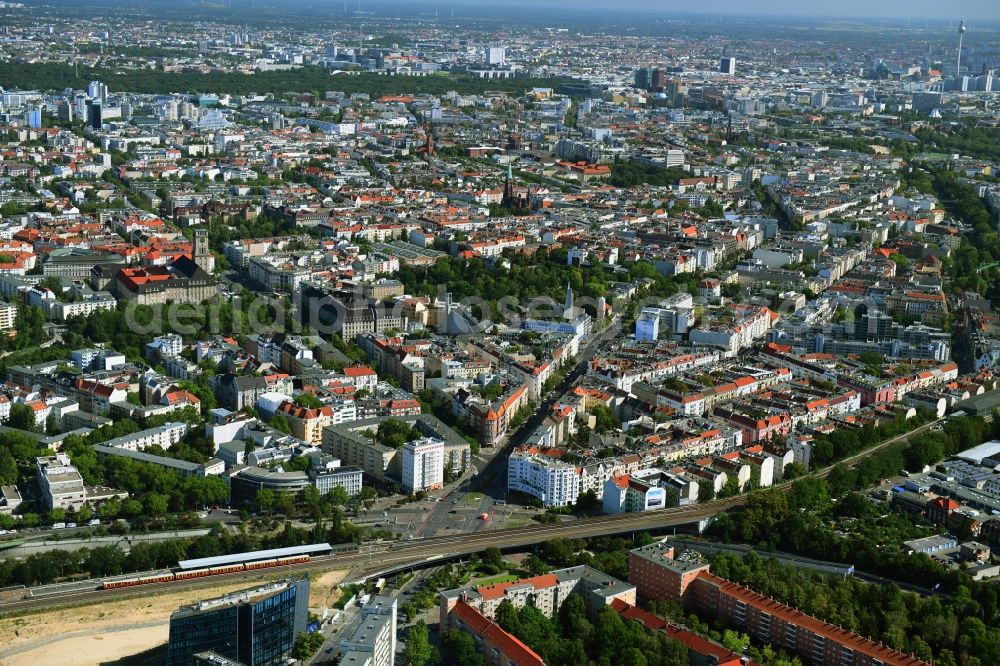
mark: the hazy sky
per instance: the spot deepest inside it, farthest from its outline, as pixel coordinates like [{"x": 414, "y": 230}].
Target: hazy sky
[{"x": 987, "y": 10}]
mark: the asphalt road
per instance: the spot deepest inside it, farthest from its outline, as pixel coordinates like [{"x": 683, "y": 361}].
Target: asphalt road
[{"x": 492, "y": 481}]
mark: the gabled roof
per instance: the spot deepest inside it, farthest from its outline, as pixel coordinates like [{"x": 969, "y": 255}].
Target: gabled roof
[{"x": 513, "y": 650}]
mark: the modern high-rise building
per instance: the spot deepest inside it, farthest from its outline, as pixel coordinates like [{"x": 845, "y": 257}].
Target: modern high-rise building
[
  {"x": 65, "y": 111},
  {"x": 34, "y": 117},
  {"x": 423, "y": 464},
  {"x": 644, "y": 78},
  {"x": 95, "y": 114},
  {"x": 728, "y": 66},
  {"x": 925, "y": 102},
  {"x": 256, "y": 627},
  {"x": 985, "y": 82},
  {"x": 97, "y": 90},
  {"x": 80, "y": 106},
  {"x": 496, "y": 55},
  {"x": 659, "y": 80}
]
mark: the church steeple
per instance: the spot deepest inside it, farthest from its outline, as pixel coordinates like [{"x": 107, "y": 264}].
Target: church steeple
[
  {"x": 568, "y": 306},
  {"x": 508, "y": 187},
  {"x": 429, "y": 145}
]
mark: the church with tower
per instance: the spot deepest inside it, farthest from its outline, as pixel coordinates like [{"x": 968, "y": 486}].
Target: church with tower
[
  {"x": 517, "y": 201},
  {"x": 187, "y": 280}
]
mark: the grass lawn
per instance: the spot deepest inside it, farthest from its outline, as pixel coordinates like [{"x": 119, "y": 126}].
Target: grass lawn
[
  {"x": 496, "y": 580},
  {"x": 517, "y": 521},
  {"x": 473, "y": 499}
]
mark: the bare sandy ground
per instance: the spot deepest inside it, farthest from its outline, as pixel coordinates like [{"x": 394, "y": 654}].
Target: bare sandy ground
[
  {"x": 100, "y": 647},
  {"x": 323, "y": 591},
  {"x": 107, "y": 632}
]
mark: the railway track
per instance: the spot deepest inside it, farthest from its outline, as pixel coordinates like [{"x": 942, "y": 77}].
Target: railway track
[{"x": 387, "y": 556}]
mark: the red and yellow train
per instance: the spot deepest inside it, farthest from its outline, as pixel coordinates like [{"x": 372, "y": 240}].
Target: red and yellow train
[{"x": 198, "y": 573}]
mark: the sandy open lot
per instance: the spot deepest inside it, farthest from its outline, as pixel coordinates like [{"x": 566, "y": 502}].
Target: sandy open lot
[
  {"x": 106, "y": 632},
  {"x": 97, "y": 648},
  {"x": 323, "y": 590}
]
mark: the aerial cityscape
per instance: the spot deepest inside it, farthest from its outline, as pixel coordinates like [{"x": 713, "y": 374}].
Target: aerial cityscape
[{"x": 386, "y": 332}]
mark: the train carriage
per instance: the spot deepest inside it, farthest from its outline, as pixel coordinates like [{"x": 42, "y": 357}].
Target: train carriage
[
  {"x": 225, "y": 564},
  {"x": 262, "y": 564}
]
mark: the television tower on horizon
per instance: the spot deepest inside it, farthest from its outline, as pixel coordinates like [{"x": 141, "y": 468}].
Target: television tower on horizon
[{"x": 961, "y": 36}]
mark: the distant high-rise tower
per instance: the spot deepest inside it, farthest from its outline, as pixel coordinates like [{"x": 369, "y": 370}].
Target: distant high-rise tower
[
  {"x": 34, "y": 117},
  {"x": 644, "y": 78},
  {"x": 80, "y": 106},
  {"x": 95, "y": 116},
  {"x": 65, "y": 110},
  {"x": 496, "y": 55},
  {"x": 961, "y": 36},
  {"x": 728, "y": 66},
  {"x": 97, "y": 90},
  {"x": 659, "y": 80}
]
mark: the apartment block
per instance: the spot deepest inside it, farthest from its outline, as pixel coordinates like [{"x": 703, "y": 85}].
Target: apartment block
[
  {"x": 60, "y": 482},
  {"x": 657, "y": 574},
  {"x": 423, "y": 464},
  {"x": 163, "y": 436},
  {"x": 373, "y": 640},
  {"x": 546, "y": 592}
]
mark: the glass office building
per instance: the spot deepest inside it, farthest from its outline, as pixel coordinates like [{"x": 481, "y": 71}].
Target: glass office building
[{"x": 256, "y": 627}]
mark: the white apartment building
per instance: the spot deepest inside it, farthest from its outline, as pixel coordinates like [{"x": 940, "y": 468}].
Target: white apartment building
[
  {"x": 166, "y": 345},
  {"x": 279, "y": 272},
  {"x": 647, "y": 325},
  {"x": 735, "y": 332},
  {"x": 675, "y": 313},
  {"x": 423, "y": 464},
  {"x": 163, "y": 436},
  {"x": 239, "y": 252},
  {"x": 496, "y": 55},
  {"x": 8, "y": 316},
  {"x": 60, "y": 482},
  {"x": 550, "y": 479},
  {"x": 87, "y": 305},
  {"x": 348, "y": 478},
  {"x": 373, "y": 642}
]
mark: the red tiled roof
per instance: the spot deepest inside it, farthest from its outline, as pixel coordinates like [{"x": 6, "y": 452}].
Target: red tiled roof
[
  {"x": 358, "y": 372},
  {"x": 498, "y": 590},
  {"x": 693, "y": 642},
  {"x": 512, "y": 648},
  {"x": 859, "y": 644}
]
